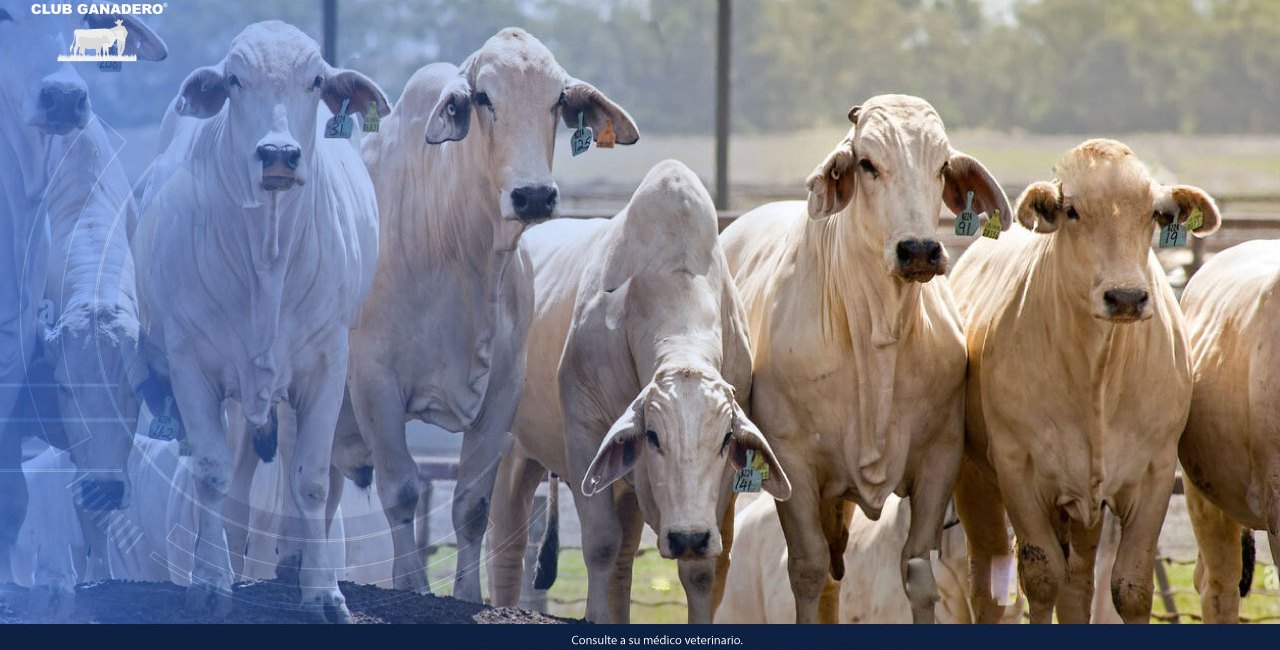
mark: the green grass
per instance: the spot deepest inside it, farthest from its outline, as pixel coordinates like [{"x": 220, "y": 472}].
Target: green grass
[{"x": 1263, "y": 603}]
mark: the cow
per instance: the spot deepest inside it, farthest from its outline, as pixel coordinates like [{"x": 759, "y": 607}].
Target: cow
[
  {"x": 1079, "y": 382},
  {"x": 638, "y": 362},
  {"x": 256, "y": 247},
  {"x": 871, "y": 592},
  {"x": 1230, "y": 450},
  {"x": 68, "y": 327},
  {"x": 461, "y": 167},
  {"x": 100, "y": 40},
  {"x": 859, "y": 353}
]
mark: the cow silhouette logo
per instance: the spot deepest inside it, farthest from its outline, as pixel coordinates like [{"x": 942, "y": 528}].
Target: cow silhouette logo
[{"x": 107, "y": 45}]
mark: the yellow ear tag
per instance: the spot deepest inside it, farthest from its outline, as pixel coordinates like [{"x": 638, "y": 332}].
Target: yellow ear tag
[
  {"x": 372, "y": 121},
  {"x": 1195, "y": 220},
  {"x": 761, "y": 467},
  {"x": 992, "y": 229}
]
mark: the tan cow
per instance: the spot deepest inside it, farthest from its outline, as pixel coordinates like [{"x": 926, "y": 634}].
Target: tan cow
[
  {"x": 859, "y": 351},
  {"x": 1230, "y": 451},
  {"x": 871, "y": 592},
  {"x": 1079, "y": 382}
]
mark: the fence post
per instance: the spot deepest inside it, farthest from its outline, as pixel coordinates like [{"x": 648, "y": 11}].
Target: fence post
[
  {"x": 724, "y": 38},
  {"x": 329, "y": 10}
]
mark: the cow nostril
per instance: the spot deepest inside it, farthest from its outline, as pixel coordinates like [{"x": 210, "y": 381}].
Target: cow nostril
[
  {"x": 553, "y": 197},
  {"x": 292, "y": 156},
  {"x": 904, "y": 252},
  {"x": 267, "y": 153},
  {"x": 519, "y": 199},
  {"x": 46, "y": 100},
  {"x": 934, "y": 250},
  {"x": 1125, "y": 300},
  {"x": 682, "y": 543}
]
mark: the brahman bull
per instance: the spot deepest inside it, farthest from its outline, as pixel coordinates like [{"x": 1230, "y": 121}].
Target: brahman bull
[
  {"x": 257, "y": 245},
  {"x": 859, "y": 352},
  {"x": 461, "y": 167},
  {"x": 638, "y": 361},
  {"x": 1230, "y": 450},
  {"x": 1079, "y": 383}
]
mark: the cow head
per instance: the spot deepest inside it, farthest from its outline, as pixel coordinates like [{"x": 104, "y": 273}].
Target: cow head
[
  {"x": 38, "y": 90},
  {"x": 893, "y": 170},
  {"x": 511, "y": 93},
  {"x": 271, "y": 82},
  {"x": 687, "y": 428},
  {"x": 1104, "y": 206}
]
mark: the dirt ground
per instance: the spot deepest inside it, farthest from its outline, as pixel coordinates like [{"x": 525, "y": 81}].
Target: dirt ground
[{"x": 259, "y": 602}]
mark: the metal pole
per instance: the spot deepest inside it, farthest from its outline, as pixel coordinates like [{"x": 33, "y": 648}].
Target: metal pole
[
  {"x": 724, "y": 32},
  {"x": 330, "y": 10}
]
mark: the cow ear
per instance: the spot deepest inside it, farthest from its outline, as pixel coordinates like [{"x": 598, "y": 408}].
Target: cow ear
[
  {"x": 597, "y": 111},
  {"x": 963, "y": 174},
  {"x": 615, "y": 305},
  {"x": 140, "y": 41},
  {"x": 619, "y": 451},
  {"x": 831, "y": 184},
  {"x": 45, "y": 313},
  {"x": 342, "y": 85},
  {"x": 1179, "y": 201},
  {"x": 1040, "y": 207},
  {"x": 203, "y": 93},
  {"x": 450, "y": 119},
  {"x": 747, "y": 437}
]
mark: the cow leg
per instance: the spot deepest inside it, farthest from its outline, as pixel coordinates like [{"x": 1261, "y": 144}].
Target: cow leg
[
  {"x": 13, "y": 497},
  {"x": 1218, "y": 567},
  {"x": 809, "y": 560},
  {"x": 632, "y": 524},
  {"x": 981, "y": 511},
  {"x": 1075, "y": 598},
  {"x": 723, "y": 561},
  {"x": 239, "y": 509},
  {"x": 316, "y": 417},
  {"x": 1104, "y": 611},
  {"x": 1042, "y": 565},
  {"x": 1141, "y": 518},
  {"x": 211, "y": 468},
  {"x": 518, "y": 478},
  {"x": 482, "y": 450},
  {"x": 932, "y": 485},
  {"x": 92, "y": 523},
  {"x": 380, "y": 414}
]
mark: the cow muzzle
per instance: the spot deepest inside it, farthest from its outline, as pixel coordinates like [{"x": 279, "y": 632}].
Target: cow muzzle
[
  {"x": 102, "y": 494},
  {"x": 534, "y": 203},
  {"x": 689, "y": 545},
  {"x": 919, "y": 260},
  {"x": 1126, "y": 304},
  {"x": 62, "y": 108},
  {"x": 279, "y": 166}
]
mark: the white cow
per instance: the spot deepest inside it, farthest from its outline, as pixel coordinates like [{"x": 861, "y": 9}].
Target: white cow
[
  {"x": 859, "y": 352},
  {"x": 1079, "y": 383},
  {"x": 654, "y": 371},
  {"x": 871, "y": 592},
  {"x": 256, "y": 248},
  {"x": 462, "y": 166},
  {"x": 68, "y": 328}
]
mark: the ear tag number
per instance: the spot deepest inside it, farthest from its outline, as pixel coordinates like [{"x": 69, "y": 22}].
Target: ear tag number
[
  {"x": 580, "y": 141},
  {"x": 967, "y": 220},
  {"x": 340, "y": 125},
  {"x": 372, "y": 122},
  {"x": 1195, "y": 220},
  {"x": 607, "y": 137},
  {"x": 748, "y": 478},
  {"x": 109, "y": 66},
  {"x": 164, "y": 426},
  {"x": 992, "y": 229},
  {"x": 1173, "y": 235}
]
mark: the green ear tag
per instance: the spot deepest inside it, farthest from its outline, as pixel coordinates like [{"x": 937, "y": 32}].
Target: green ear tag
[
  {"x": 1195, "y": 220},
  {"x": 967, "y": 220},
  {"x": 580, "y": 141},
  {"x": 371, "y": 119},
  {"x": 1174, "y": 234},
  {"x": 164, "y": 426},
  {"x": 340, "y": 125},
  {"x": 748, "y": 478},
  {"x": 992, "y": 229}
]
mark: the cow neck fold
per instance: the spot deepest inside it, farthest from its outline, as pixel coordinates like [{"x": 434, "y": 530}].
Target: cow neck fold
[
  {"x": 24, "y": 234},
  {"x": 867, "y": 313}
]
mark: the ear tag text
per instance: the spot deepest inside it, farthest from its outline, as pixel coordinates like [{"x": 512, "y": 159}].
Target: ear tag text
[
  {"x": 967, "y": 220},
  {"x": 1195, "y": 220},
  {"x": 165, "y": 426},
  {"x": 109, "y": 66},
  {"x": 607, "y": 138},
  {"x": 340, "y": 125},
  {"x": 748, "y": 478},
  {"x": 992, "y": 229},
  {"x": 580, "y": 141},
  {"x": 1173, "y": 235},
  {"x": 372, "y": 122}
]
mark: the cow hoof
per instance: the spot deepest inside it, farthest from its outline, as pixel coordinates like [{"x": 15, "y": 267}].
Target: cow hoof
[
  {"x": 288, "y": 568},
  {"x": 208, "y": 601},
  {"x": 415, "y": 582},
  {"x": 50, "y": 603},
  {"x": 330, "y": 607}
]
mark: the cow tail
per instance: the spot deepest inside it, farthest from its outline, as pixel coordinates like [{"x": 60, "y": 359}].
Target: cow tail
[
  {"x": 544, "y": 572},
  {"x": 266, "y": 437},
  {"x": 1248, "y": 559}
]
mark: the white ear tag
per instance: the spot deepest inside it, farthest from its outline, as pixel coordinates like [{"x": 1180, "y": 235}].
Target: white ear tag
[
  {"x": 580, "y": 141},
  {"x": 1173, "y": 235},
  {"x": 748, "y": 478},
  {"x": 967, "y": 220},
  {"x": 164, "y": 426},
  {"x": 340, "y": 125}
]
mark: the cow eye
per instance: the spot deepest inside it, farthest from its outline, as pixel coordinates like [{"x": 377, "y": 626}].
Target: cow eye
[
  {"x": 317, "y": 82},
  {"x": 652, "y": 439},
  {"x": 869, "y": 168},
  {"x": 483, "y": 100},
  {"x": 1071, "y": 212},
  {"x": 233, "y": 81},
  {"x": 724, "y": 444}
]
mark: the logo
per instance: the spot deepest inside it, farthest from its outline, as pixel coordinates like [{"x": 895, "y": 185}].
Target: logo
[{"x": 101, "y": 42}]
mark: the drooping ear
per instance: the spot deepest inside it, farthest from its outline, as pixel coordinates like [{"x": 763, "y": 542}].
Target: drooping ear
[
  {"x": 1181, "y": 200},
  {"x": 348, "y": 84},
  {"x": 1040, "y": 207},
  {"x": 747, "y": 436},
  {"x": 45, "y": 314},
  {"x": 964, "y": 174},
  {"x": 450, "y": 119},
  {"x": 140, "y": 41},
  {"x": 620, "y": 449},
  {"x": 615, "y": 309},
  {"x": 831, "y": 184},
  {"x": 597, "y": 110},
  {"x": 203, "y": 93}
]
